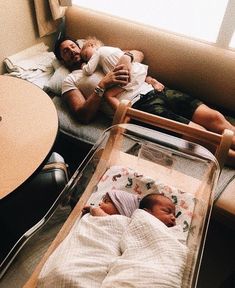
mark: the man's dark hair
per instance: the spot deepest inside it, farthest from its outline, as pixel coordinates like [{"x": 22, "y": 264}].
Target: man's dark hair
[{"x": 58, "y": 43}]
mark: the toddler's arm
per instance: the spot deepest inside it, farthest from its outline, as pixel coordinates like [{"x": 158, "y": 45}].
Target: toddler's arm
[{"x": 90, "y": 67}]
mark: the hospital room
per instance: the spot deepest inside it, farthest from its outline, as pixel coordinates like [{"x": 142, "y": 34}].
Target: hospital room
[{"x": 117, "y": 133}]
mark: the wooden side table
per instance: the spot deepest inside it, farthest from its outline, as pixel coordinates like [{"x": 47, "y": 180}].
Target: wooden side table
[{"x": 28, "y": 129}]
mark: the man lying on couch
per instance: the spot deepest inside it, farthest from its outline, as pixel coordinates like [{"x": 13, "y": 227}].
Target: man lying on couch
[{"x": 84, "y": 94}]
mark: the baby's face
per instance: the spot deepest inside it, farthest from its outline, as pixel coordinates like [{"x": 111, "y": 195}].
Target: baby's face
[
  {"x": 107, "y": 205},
  {"x": 87, "y": 53},
  {"x": 164, "y": 210}
]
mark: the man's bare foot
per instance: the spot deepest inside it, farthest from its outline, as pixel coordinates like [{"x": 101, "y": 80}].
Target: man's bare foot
[{"x": 156, "y": 84}]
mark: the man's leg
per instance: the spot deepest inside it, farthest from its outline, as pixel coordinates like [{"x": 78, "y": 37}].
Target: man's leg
[{"x": 214, "y": 121}]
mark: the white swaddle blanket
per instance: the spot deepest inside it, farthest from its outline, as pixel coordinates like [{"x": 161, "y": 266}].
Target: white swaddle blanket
[
  {"x": 83, "y": 258},
  {"x": 151, "y": 257},
  {"x": 117, "y": 251}
]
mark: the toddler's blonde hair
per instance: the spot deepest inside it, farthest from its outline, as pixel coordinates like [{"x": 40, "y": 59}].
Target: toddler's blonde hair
[{"x": 90, "y": 40}]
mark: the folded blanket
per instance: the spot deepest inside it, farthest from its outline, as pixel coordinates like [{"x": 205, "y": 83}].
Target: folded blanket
[
  {"x": 34, "y": 57},
  {"x": 152, "y": 256},
  {"x": 83, "y": 258},
  {"x": 33, "y": 64},
  {"x": 117, "y": 251}
]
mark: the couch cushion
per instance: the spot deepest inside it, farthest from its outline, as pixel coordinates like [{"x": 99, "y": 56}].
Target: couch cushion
[
  {"x": 227, "y": 198},
  {"x": 227, "y": 175},
  {"x": 224, "y": 208},
  {"x": 70, "y": 127},
  {"x": 204, "y": 71}
]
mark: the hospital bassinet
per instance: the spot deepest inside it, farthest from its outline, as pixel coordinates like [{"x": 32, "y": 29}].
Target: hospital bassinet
[{"x": 142, "y": 160}]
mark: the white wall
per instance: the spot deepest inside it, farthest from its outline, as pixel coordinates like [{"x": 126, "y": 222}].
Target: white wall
[{"x": 18, "y": 29}]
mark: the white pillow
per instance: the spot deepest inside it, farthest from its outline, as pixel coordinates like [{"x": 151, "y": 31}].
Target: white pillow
[{"x": 55, "y": 82}]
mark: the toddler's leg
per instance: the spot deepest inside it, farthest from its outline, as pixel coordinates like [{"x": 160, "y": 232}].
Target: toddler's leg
[{"x": 111, "y": 96}]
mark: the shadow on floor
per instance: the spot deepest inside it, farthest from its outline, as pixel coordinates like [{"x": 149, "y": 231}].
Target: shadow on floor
[
  {"x": 218, "y": 262},
  {"x": 71, "y": 151}
]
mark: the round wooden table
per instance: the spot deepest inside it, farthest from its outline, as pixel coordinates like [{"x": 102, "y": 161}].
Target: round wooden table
[{"x": 28, "y": 129}]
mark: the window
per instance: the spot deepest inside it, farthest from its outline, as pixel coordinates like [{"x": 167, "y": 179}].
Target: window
[{"x": 206, "y": 20}]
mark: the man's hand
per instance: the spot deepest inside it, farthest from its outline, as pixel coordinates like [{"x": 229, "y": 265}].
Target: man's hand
[
  {"x": 125, "y": 61},
  {"x": 119, "y": 76}
]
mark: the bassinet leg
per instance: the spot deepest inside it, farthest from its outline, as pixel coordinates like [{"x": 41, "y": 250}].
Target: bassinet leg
[{"x": 223, "y": 147}]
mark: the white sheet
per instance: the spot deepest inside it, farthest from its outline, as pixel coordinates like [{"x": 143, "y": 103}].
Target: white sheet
[
  {"x": 83, "y": 258},
  {"x": 151, "y": 257},
  {"x": 33, "y": 64}
]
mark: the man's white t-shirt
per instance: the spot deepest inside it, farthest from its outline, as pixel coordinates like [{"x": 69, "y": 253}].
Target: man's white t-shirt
[{"x": 87, "y": 84}]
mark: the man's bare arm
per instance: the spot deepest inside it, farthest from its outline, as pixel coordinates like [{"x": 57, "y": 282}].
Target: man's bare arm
[
  {"x": 83, "y": 109},
  {"x": 126, "y": 60},
  {"x": 86, "y": 109}
]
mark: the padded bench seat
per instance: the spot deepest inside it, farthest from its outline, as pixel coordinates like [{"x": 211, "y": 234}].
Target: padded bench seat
[{"x": 82, "y": 133}]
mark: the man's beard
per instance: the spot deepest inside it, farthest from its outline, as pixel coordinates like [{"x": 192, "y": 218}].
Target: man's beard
[{"x": 76, "y": 65}]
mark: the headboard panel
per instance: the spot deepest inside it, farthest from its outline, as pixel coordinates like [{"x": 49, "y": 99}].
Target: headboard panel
[{"x": 205, "y": 71}]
